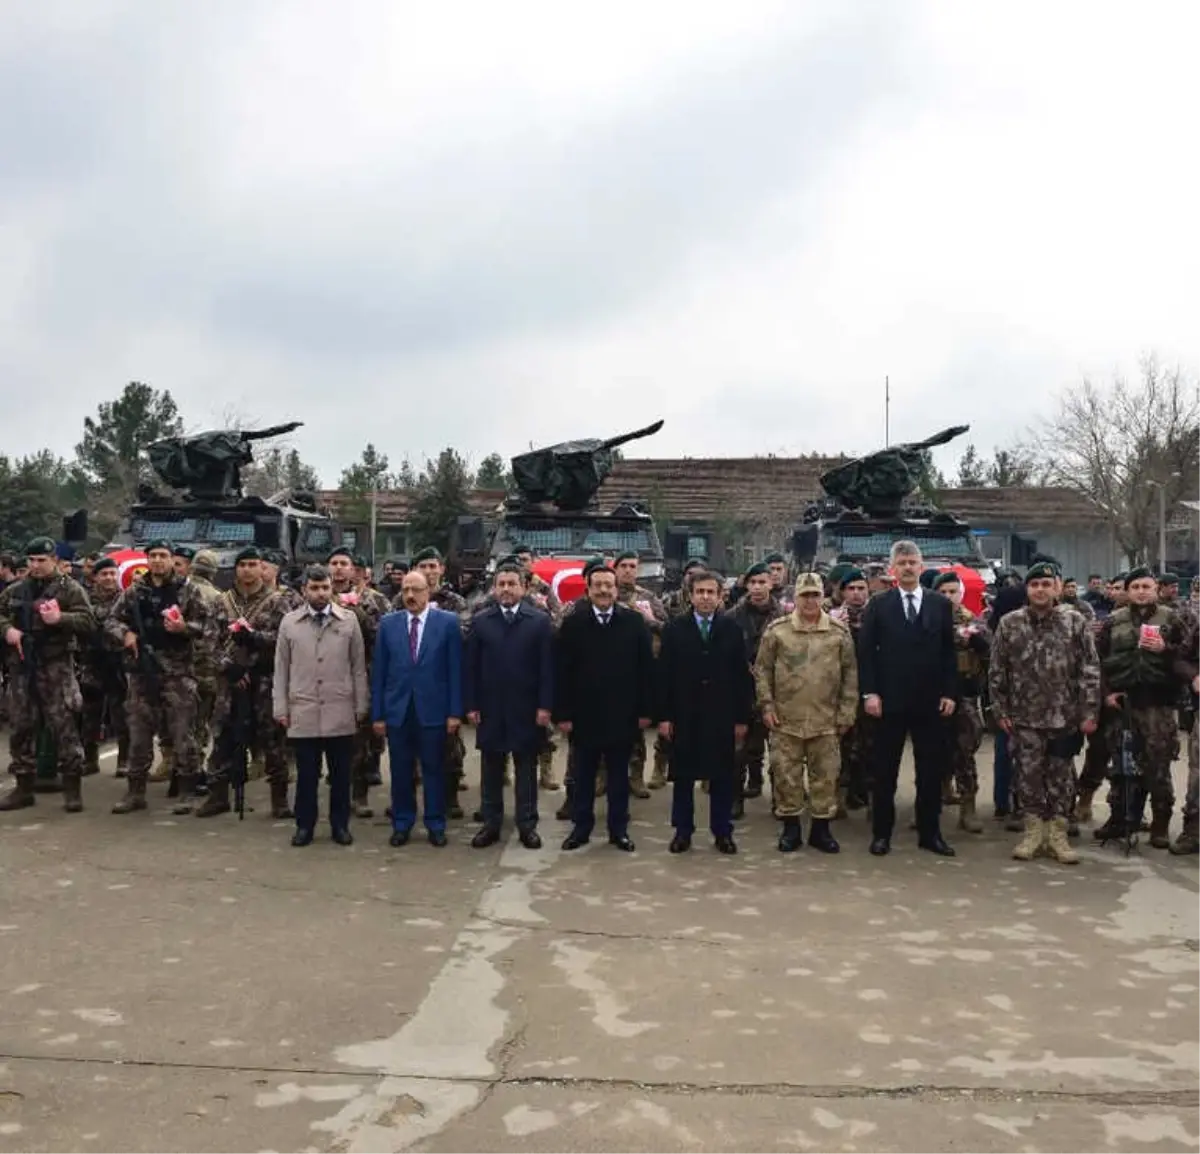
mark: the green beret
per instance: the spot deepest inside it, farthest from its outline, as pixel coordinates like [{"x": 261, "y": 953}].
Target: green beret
[
  {"x": 159, "y": 543},
  {"x": 774, "y": 559},
  {"x": 360, "y": 561},
  {"x": 1169, "y": 579},
  {"x": 1137, "y": 573},
  {"x": 429, "y": 553},
  {"x": 758, "y": 569},
  {"x": 184, "y": 551},
  {"x": 102, "y": 564},
  {"x": 340, "y": 551},
  {"x": 40, "y": 547},
  {"x": 1041, "y": 569},
  {"x": 249, "y": 553},
  {"x": 520, "y": 547},
  {"x": 948, "y": 578},
  {"x": 628, "y": 555},
  {"x": 592, "y": 566},
  {"x": 851, "y": 575}
]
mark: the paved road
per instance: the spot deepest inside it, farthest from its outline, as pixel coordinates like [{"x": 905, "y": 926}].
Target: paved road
[{"x": 169, "y": 984}]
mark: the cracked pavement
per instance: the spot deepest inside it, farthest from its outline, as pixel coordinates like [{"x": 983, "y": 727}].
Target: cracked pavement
[{"x": 169, "y": 984}]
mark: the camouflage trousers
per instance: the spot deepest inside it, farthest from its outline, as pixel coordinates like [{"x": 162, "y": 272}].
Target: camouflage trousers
[
  {"x": 964, "y": 731},
  {"x": 857, "y": 750},
  {"x": 1044, "y": 784},
  {"x": 1095, "y": 760},
  {"x": 54, "y": 704},
  {"x": 1155, "y": 740},
  {"x": 1191, "y": 801},
  {"x": 206, "y": 704},
  {"x": 270, "y": 739},
  {"x": 804, "y": 774},
  {"x": 102, "y": 703},
  {"x": 362, "y": 758},
  {"x": 174, "y": 704}
]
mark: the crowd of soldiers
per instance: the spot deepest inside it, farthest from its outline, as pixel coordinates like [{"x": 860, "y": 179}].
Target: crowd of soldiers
[{"x": 172, "y": 659}]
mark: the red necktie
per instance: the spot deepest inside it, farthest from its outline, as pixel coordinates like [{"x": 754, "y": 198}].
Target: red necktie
[{"x": 414, "y": 627}]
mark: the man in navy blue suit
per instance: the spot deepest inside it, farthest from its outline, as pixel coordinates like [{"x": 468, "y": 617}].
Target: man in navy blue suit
[
  {"x": 507, "y": 687},
  {"x": 416, "y": 699}
]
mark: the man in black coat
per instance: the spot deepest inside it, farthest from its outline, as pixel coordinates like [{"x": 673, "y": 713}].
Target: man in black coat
[
  {"x": 604, "y": 694},
  {"x": 706, "y": 697},
  {"x": 908, "y": 676},
  {"x": 507, "y": 693}
]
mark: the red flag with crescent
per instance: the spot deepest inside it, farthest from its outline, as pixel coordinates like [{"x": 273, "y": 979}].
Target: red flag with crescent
[
  {"x": 131, "y": 564},
  {"x": 564, "y": 575}
]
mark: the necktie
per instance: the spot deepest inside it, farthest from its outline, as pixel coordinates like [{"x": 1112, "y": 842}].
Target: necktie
[
  {"x": 704, "y": 629},
  {"x": 414, "y": 635},
  {"x": 604, "y": 618},
  {"x": 911, "y": 611},
  {"x": 509, "y": 616}
]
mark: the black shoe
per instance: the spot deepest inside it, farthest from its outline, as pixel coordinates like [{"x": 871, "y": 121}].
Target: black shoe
[
  {"x": 936, "y": 844},
  {"x": 575, "y": 840},
  {"x": 739, "y": 810},
  {"x": 437, "y": 838},
  {"x": 820, "y": 838},
  {"x": 792, "y": 837},
  {"x": 530, "y": 839},
  {"x": 881, "y": 846},
  {"x": 342, "y": 837},
  {"x": 725, "y": 845},
  {"x": 623, "y": 842},
  {"x": 399, "y": 838},
  {"x": 302, "y": 837},
  {"x": 680, "y": 844},
  {"x": 485, "y": 837},
  {"x": 454, "y": 811}
]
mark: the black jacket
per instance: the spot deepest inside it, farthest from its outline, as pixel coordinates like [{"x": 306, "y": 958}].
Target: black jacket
[
  {"x": 604, "y": 676},
  {"x": 909, "y": 666}
]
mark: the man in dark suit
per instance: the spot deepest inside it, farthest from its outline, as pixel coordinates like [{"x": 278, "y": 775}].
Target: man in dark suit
[
  {"x": 706, "y": 697},
  {"x": 908, "y": 671},
  {"x": 507, "y": 689},
  {"x": 416, "y": 699},
  {"x": 604, "y": 695}
]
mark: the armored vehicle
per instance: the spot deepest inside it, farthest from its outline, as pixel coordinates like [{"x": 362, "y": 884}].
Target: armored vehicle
[
  {"x": 553, "y": 509},
  {"x": 206, "y": 508}
]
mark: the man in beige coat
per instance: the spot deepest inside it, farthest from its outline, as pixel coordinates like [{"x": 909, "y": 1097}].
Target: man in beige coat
[{"x": 320, "y": 698}]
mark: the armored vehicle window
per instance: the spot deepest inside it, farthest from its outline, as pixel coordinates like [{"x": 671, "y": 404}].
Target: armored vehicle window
[
  {"x": 230, "y": 532},
  {"x": 172, "y": 528},
  {"x": 880, "y": 544},
  {"x": 318, "y": 538}
]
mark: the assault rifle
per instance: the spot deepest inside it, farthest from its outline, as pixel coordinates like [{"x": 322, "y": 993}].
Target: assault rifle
[
  {"x": 241, "y": 728},
  {"x": 147, "y": 664},
  {"x": 1128, "y": 790}
]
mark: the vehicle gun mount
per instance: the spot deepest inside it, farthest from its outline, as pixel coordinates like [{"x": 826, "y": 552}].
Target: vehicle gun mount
[{"x": 207, "y": 466}]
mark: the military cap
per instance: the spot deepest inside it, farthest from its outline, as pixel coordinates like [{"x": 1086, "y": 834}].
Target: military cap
[
  {"x": 758, "y": 569},
  {"x": 275, "y": 556},
  {"x": 774, "y": 559},
  {"x": 158, "y": 543},
  {"x": 1136, "y": 574},
  {"x": 64, "y": 552},
  {"x": 851, "y": 575},
  {"x": 836, "y": 571},
  {"x": 184, "y": 551},
  {"x": 520, "y": 547},
  {"x": 1169, "y": 579},
  {"x": 695, "y": 563},
  {"x": 947, "y": 578},
  {"x": 928, "y": 576},
  {"x": 360, "y": 561},
  {"x": 249, "y": 553},
  {"x": 592, "y": 566},
  {"x": 1041, "y": 569},
  {"x": 809, "y": 583},
  {"x": 205, "y": 563},
  {"x": 628, "y": 555},
  {"x": 104, "y": 563},
  {"x": 340, "y": 551},
  {"x": 429, "y": 553},
  {"x": 511, "y": 559}
]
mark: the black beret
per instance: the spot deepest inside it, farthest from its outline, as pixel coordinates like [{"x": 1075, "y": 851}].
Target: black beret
[
  {"x": 429, "y": 553},
  {"x": 159, "y": 543},
  {"x": 758, "y": 569},
  {"x": 695, "y": 563},
  {"x": 947, "y": 578},
  {"x": 774, "y": 559},
  {"x": 275, "y": 556},
  {"x": 360, "y": 561},
  {"x": 510, "y": 559},
  {"x": 1041, "y": 569},
  {"x": 927, "y": 578},
  {"x": 594, "y": 565},
  {"x": 64, "y": 552},
  {"x": 340, "y": 551},
  {"x": 628, "y": 555},
  {"x": 104, "y": 563},
  {"x": 1070, "y": 581},
  {"x": 1045, "y": 558},
  {"x": 520, "y": 547},
  {"x": 1169, "y": 579},
  {"x": 184, "y": 551},
  {"x": 249, "y": 553},
  {"x": 1119, "y": 579},
  {"x": 1137, "y": 573},
  {"x": 850, "y": 576}
]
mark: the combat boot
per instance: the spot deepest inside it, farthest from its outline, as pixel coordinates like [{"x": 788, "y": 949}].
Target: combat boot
[
  {"x": 1031, "y": 844},
  {"x": 122, "y": 756},
  {"x": 1187, "y": 842},
  {"x": 280, "y": 810},
  {"x": 637, "y": 784},
  {"x": 72, "y": 793},
  {"x": 1056, "y": 842},
  {"x": 362, "y": 808},
  {"x": 546, "y": 779},
  {"x": 1083, "y": 806},
  {"x": 217, "y": 801},
  {"x": 968, "y": 819},
  {"x": 1160, "y": 837},
  {"x": 91, "y": 758},
  {"x": 820, "y": 838},
  {"x": 135, "y": 796},
  {"x": 186, "y": 794},
  {"x": 792, "y": 837},
  {"x": 21, "y": 794},
  {"x": 754, "y": 782}
]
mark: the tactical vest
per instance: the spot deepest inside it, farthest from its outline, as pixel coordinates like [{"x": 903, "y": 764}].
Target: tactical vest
[
  {"x": 1127, "y": 666},
  {"x": 970, "y": 666},
  {"x": 152, "y": 601}
]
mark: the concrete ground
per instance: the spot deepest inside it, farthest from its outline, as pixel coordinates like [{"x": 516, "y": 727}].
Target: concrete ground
[{"x": 170, "y": 984}]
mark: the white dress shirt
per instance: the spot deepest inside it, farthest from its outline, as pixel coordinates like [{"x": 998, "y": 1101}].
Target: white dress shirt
[
  {"x": 604, "y": 616},
  {"x": 917, "y": 594}
]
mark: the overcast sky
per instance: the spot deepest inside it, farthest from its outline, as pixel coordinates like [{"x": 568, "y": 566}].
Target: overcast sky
[{"x": 486, "y": 224}]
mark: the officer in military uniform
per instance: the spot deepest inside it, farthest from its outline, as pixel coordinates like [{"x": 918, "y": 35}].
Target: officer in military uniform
[
  {"x": 101, "y": 670},
  {"x": 854, "y": 783},
  {"x": 43, "y": 618},
  {"x": 208, "y": 669},
  {"x": 1045, "y": 691},
  {"x": 160, "y": 620},
  {"x": 251, "y": 612}
]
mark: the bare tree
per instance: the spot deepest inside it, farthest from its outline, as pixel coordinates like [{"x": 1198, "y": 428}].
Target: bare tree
[{"x": 1116, "y": 442}]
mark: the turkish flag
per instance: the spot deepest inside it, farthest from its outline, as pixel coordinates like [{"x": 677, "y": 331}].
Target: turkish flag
[
  {"x": 131, "y": 564},
  {"x": 563, "y": 575},
  {"x": 973, "y": 586}
]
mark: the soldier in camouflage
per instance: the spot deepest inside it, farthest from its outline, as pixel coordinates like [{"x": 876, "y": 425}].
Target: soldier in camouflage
[
  {"x": 101, "y": 671},
  {"x": 854, "y": 782},
  {"x": 160, "y": 621},
  {"x": 208, "y": 669},
  {"x": 754, "y": 614},
  {"x": 1071, "y": 599},
  {"x": 43, "y": 618},
  {"x": 806, "y": 674},
  {"x": 246, "y": 656},
  {"x": 972, "y": 642},
  {"x": 1188, "y": 668},
  {"x": 1045, "y": 691},
  {"x": 781, "y": 589},
  {"x": 539, "y": 591},
  {"x": 633, "y": 596}
]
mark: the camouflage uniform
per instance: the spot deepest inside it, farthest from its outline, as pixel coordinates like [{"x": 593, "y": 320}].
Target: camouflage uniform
[
  {"x": 753, "y": 623},
  {"x": 208, "y": 670},
  {"x": 857, "y": 744},
  {"x": 807, "y": 676},
  {"x": 171, "y": 692},
  {"x": 1045, "y": 681},
  {"x": 634, "y": 597},
  {"x": 370, "y": 607},
  {"x": 972, "y": 640},
  {"x": 1081, "y": 607},
  {"x": 102, "y": 684},
  {"x": 447, "y": 599},
  {"x": 49, "y": 700}
]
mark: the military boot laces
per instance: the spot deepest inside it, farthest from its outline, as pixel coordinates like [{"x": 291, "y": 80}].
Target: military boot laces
[
  {"x": 1031, "y": 844},
  {"x": 21, "y": 795},
  {"x": 1059, "y": 846}
]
